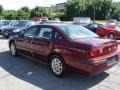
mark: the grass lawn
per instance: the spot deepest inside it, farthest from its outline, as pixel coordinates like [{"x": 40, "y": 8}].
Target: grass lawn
[{"x": 96, "y": 21}]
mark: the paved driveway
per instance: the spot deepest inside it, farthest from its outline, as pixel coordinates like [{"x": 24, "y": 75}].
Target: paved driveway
[{"x": 20, "y": 73}]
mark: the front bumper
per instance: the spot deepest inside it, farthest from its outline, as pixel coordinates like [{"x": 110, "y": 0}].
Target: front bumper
[
  {"x": 5, "y": 34},
  {"x": 8, "y": 34}
]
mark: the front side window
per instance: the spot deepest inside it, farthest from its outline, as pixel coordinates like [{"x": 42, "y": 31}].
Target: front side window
[
  {"x": 30, "y": 31},
  {"x": 45, "y": 33},
  {"x": 76, "y": 31}
]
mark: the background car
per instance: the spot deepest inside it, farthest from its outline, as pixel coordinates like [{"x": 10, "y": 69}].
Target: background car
[
  {"x": 49, "y": 22},
  {"x": 16, "y": 27},
  {"x": 4, "y": 23},
  {"x": 112, "y": 31},
  {"x": 111, "y": 22},
  {"x": 65, "y": 46},
  {"x": 83, "y": 21},
  {"x": 93, "y": 26}
]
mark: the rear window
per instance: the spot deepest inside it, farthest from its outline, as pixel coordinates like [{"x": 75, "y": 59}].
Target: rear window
[{"x": 76, "y": 31}]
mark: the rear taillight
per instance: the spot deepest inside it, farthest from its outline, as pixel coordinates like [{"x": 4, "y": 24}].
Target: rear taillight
[
  {"x": 93, "y": 53},
  {"x": 102, "y": 50},
  {"x": 96, "y": 52},
  {"x": 116, "y": 45}
]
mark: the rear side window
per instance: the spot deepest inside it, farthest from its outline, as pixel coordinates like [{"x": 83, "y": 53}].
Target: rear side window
[
  {"x": 45, "y": 33},
  {"x": 76, "y": 31}
]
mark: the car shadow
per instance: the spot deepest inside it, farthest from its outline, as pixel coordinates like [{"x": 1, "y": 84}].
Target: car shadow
[{"x": 39, "y": 74}]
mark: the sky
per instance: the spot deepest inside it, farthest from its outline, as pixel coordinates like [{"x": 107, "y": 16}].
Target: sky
[{"x": 17, "y": 4}]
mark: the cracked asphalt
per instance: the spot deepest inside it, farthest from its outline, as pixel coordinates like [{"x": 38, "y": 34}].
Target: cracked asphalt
[{"x": 20, "y": 73}]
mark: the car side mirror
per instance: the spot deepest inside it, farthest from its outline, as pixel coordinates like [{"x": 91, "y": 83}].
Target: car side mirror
[{"x": 20, "y": 34}]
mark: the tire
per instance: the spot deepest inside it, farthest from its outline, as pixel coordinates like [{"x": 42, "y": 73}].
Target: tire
[
  {"x": 111, "y": 36},
  {"x": 57, "y": 66},
  {"x": 13, "y": 49}
]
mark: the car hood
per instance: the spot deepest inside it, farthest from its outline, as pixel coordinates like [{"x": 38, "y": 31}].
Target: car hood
[{"x": 94, "y": 41}]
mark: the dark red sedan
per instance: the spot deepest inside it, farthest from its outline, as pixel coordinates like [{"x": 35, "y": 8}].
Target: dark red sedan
[
  {"x": 66, "y": 47},
  {"x": 112, "y": 31}
]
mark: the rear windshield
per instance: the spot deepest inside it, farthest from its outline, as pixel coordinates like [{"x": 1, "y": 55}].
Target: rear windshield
[{"x": 77, "y": 31}]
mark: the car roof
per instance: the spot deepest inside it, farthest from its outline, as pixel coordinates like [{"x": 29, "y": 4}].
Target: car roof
[{"x": 53, "y": 24}]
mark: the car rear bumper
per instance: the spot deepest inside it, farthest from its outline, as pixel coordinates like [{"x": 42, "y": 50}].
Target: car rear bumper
[{"x": 99, "y": 65}]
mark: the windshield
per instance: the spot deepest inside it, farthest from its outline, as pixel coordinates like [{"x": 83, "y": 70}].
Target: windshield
[
  {"x": 76, "y": 32},
  {"x": 5, "y": 22},
  {"x": 20, "y": 23}
]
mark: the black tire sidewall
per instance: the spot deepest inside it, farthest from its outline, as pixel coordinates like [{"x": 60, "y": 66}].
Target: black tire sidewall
[{"x": 15, "y": 49}]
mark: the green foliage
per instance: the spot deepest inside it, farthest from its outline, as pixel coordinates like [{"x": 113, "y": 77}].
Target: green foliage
[
  {"x": 25, "y": 9},
  {"x": 41, "y": 11},
  {"x": 1, "y": 17},
  {"x": 103, "y": 8},
  {"x": 21, "y": 15},
  {"x": 75, "y": 8},
  {"x": 10, "y": 14},
  {"x": 1, "y": 9},
  {"x": 60, "y": 15}
]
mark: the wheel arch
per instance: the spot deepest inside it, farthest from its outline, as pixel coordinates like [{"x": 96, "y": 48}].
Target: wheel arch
[
  {"x": 11, "y": 41},
  {"x": 110, "y": 33},
  {"x": 52, "y": 54}
]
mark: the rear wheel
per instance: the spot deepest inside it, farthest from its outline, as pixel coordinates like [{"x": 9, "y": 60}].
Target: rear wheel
[
  {"x": 13, "y": 49},
  {"x": 111, "y": 36},
  {"x": 57, "y": 66}
]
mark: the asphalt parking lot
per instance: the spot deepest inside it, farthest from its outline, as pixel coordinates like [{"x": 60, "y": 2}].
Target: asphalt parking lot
[{"x": 20, "y": 73}]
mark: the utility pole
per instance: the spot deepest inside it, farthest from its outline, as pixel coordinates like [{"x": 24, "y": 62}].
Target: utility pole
[{"x": 94, "y": 11}]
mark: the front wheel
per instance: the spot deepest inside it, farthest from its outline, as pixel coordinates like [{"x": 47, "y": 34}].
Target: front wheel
[
  {"x": 111, "y": 36},
  {"x": 57, "y": 66},
  {"x": 13, "y": 49}
]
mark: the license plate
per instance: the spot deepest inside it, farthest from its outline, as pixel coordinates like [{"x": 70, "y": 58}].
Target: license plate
[{"x": 112, "y": 61}]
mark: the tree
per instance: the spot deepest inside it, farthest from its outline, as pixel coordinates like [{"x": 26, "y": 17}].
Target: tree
[
  {"x": 75, "y": 8},
  {"x": 25, "y": 9},
  {"x": 1, "y": 9},
  {"x": 21, "y": 15},
  {"x": 103, "y": 8},
  {"x": 10, "y": 14},
  {"x": 41, "y": 12},
  {"x": 1, "y": 12},
  {"x": 115, "y": 13}
]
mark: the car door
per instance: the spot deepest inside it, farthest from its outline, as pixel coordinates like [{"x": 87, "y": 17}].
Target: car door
[
  {"x": 23, "y": 43},
  {"x": 41, "y": 45}
]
